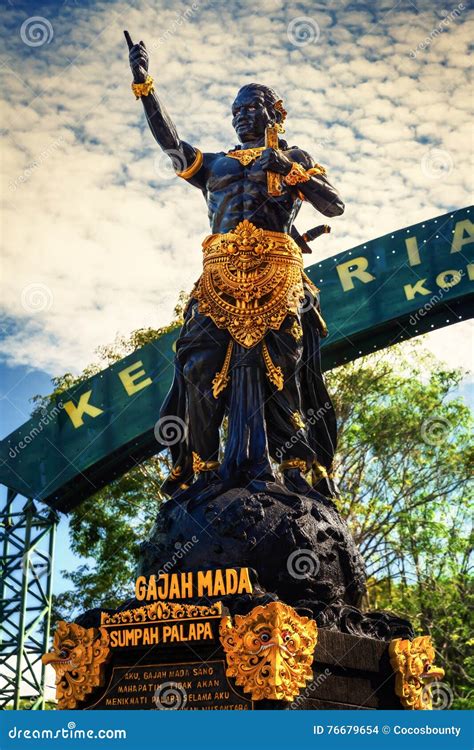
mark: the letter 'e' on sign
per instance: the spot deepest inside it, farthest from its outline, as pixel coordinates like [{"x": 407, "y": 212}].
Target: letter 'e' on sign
[
  {"x": 356, "y": 268},
  {"x": 131, "y": 379}
]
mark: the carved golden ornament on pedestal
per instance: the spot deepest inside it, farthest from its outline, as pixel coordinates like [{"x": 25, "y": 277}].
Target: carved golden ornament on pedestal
[
  {"x": 270, "y": 651},
  {"x": 157, "y": 611},
  {"x": 78, "y": 657},
  {"x": 252, "y": 278},
  {"x": 412, "y": 662}
]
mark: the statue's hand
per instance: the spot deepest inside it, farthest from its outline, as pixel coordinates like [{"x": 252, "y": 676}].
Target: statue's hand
[
  {"x": 274, "y": 160},
  {"x": 138, "y": 57}
]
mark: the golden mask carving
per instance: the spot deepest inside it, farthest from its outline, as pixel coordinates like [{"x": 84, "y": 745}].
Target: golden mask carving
[
  {"x": 412, "y": 662},
  {"x": 252, "y": 278},
  {"x": 78, "y": 656},
  {"x": 270, "y": 651}
]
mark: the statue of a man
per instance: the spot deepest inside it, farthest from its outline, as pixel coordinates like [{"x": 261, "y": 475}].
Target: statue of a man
[{"x": 248, "y": 348}]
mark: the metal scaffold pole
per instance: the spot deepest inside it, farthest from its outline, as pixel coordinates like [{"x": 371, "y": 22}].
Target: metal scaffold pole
[{"x": 27, "y": 537}]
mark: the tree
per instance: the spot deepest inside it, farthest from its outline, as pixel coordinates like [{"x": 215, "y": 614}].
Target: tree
[
  {"x": 405, "y": 463},
  {"x": 403, "y": 466}
]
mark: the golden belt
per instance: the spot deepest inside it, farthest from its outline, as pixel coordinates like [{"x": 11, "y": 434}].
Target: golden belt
[{"x": 252, "y": 278}]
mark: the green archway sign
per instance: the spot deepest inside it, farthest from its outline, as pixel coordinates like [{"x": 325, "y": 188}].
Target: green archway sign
[{"x": 392, "y": 288}]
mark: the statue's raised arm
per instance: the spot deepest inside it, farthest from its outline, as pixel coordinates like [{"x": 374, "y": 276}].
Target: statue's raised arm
[{"x": 184, "y": 157}]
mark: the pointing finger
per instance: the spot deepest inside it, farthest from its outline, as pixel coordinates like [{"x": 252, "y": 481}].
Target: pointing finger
[{"x": 128, "y": 39}]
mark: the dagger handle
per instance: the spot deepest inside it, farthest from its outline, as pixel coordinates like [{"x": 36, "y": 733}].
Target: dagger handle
[{"x": 273, "y": 178}]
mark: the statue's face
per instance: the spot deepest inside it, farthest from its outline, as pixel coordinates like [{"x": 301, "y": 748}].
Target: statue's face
[{"x": 250, "y": 116}]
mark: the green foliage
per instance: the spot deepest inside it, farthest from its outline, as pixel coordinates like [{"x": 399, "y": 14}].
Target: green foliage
[
  {"x": 106, "y": 530},
  {"x": 403, "y": 464}
]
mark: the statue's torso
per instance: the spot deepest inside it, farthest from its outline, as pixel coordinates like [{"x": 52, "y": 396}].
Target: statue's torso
[{"x": 235, "y": 192}]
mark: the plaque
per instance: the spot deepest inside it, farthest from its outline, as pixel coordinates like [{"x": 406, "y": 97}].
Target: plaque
[{"x": 185, "y": 686}]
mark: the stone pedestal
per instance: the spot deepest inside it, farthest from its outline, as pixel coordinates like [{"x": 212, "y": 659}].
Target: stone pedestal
[
  {"x": 180, "y": 656},
  {"x": 348, "y": 673}
]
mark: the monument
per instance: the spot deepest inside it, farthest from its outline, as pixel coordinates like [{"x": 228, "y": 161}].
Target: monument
[{"x": 249, "y": 588}]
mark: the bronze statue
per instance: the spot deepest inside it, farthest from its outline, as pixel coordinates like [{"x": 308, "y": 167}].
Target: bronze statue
[{"x": 250, "y": 344}]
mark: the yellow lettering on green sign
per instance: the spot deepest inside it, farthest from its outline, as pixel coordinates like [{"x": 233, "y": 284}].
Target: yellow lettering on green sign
[
  {"x": 76, "y": 413},
  {"x": 354, "y": 269},
  {"x": 131, "y": 379},
  {"x": 459, "y": 240},
  {"x": 412, "y": 289}
]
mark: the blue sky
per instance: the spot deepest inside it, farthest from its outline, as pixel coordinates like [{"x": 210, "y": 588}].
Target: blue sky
[{"x": 100, "y": 237}]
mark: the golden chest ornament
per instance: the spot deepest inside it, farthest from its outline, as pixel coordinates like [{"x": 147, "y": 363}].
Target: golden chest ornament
[
  {"x": 246, "y": 155},
  {"x": 252, "y": 278}
]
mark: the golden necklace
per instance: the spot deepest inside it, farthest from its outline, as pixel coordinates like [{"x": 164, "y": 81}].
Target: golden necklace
[{"x": 246, "y": 155}]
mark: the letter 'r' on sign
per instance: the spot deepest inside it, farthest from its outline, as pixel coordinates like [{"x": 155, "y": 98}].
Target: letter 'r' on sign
[{"x": 354, "y": 269}]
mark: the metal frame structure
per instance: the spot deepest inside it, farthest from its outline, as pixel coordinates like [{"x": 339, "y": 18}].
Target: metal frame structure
[{"x": 27, "y": 539}]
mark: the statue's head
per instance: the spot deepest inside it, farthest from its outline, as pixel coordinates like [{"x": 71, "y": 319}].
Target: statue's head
[{"x": 255, "y": 107}]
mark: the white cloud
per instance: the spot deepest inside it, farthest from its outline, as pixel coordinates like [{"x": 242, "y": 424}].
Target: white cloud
[{"x": 99, "y": 224}]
